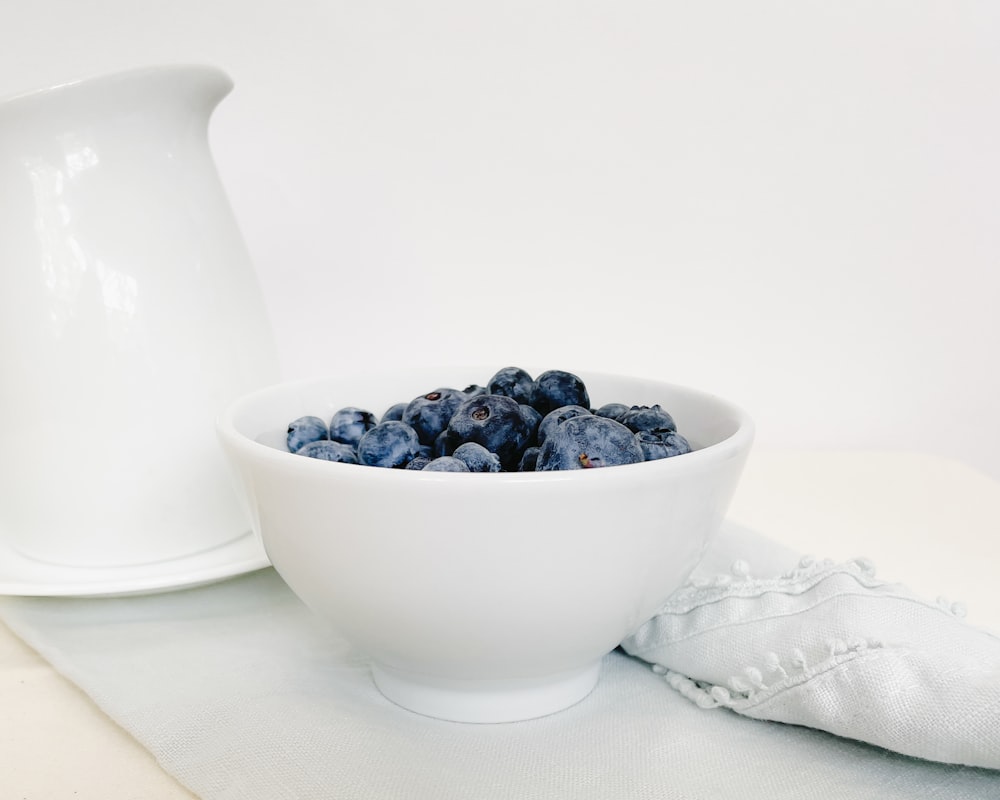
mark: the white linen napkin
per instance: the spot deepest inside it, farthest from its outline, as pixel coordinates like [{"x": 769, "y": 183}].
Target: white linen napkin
[
  {"x": 241, "y": 693},
  {"x": 829, "y": 646}
]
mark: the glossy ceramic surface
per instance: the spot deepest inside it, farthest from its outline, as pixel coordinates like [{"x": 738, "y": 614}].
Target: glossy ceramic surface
[
  {"x": 28, "y": 577},
  {"x": 483, "y": 597},
  {"x": 130, "y": 316}
]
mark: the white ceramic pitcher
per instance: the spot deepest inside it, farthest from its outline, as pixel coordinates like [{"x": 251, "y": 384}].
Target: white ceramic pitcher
[{"x": 130, "y": 315}]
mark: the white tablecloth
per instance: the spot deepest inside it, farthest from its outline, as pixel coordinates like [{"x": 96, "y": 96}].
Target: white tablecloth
[{"x": 241, "y": 694}]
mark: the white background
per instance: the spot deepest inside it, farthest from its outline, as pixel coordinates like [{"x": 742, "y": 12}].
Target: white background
[{"x": 792, "y": 204}]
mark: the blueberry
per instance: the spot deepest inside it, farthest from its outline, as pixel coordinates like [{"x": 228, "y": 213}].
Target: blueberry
[
  {"x": 534, "y": 419},
  {"x": 389, "y": 444},
  {"x": 495, "y": 422},
  {"x": 394, "y": 412},
  {"x": 477, "y": 458},
  {"x": 647, "y": 418},
  {"x": 349, "y": 424},
  {"x": 329, "y": 451},
  {"x": 304, "y": 430},
  {"x": 528, "y": 460},
  {"x": 557, "y": 388},
  {"x": 588, "y": 441},
  {"x": 662, "y": 444},
  {"x": 438, "y": 448},
  {"x": 612, "y": 410},
  {"x": 512, "y": 382},
  {"x": 428, "y": 414},
  {"x": 446, "y": 464},
  {"x": 553, "y": 418},
  {"x": 513, "y": 423}
]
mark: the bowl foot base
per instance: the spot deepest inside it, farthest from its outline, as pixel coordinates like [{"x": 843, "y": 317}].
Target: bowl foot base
[{"x": 485, "y": 700}]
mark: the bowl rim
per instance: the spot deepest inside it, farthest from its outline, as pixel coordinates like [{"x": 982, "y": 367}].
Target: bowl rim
[{"x": 738, "y": 442}]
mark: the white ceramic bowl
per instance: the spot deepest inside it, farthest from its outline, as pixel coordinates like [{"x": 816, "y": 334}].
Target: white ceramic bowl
[{"x": 483, "y": 597}]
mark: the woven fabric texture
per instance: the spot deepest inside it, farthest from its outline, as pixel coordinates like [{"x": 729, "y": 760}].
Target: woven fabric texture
[{"x": 242, "y": 694}]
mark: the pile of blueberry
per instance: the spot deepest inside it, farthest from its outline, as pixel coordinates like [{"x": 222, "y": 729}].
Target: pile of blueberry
[{"x": 515, "y": 423}]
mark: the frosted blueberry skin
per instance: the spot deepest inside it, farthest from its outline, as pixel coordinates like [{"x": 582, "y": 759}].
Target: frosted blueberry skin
[
  {"x": 326, "y": 450},
  {"x": 586, "y": 442},
  {"x": 446, "y": 464},
  {"x": 477, "y": 458},
  {"x": 489, "y": 429},
  {"x": 437, "y": 449},
  {"x": 304, "y": 430},
  {"x": 664, "y": 444},
  {"x": 612, "y": 410},
  {"x": 554, "y": 417},
  {"x": 389, "y": 444},
  {"x": 428, "y": 414},
  {"x": 647, "y": 418},
  {"x": 512, "y": 382},
  {"x": 493, "y": 421},
  {"x": 528, "y": 460},
  {"x": 534, "y": 419},
  {"x": 557, "y": 388},
  {"x": 394, "y": 412},
  {"x": 349, "y": 424}
]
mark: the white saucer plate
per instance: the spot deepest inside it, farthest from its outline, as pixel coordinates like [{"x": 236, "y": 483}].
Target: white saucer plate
[{"x": 26, "y": 577}]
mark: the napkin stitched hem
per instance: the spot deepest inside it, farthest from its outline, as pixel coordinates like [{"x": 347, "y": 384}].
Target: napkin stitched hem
[{"x": 860, "y": 657}]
